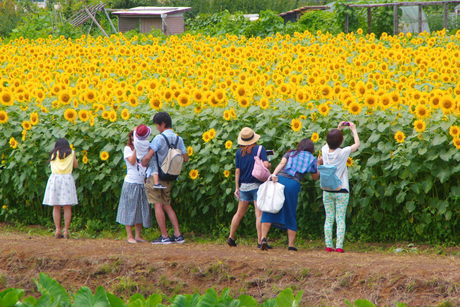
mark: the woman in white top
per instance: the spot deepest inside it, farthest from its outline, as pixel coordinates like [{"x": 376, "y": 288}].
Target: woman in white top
[
  {"x": 336, "y": 202},
  {"x": 133, "y": 209}
]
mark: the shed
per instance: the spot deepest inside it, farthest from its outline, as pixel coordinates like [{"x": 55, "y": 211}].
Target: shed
[{"x": 168, "y": 19}]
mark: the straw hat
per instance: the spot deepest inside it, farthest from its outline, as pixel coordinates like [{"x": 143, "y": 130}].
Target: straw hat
[{"x": 247, "y": 137}]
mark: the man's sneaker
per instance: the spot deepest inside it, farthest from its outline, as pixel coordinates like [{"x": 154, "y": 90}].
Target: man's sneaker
[
  {"x": 162, "y": 240},
  {"x": 179, "y": 239},
  {"x": 259, "y": 246},
  {"x": 231, "y": 242},
  {"x": 159, "y": 186}
]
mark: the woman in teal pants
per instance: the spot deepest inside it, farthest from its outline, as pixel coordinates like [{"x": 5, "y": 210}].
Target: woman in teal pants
[{"x": 336, "y": 202}]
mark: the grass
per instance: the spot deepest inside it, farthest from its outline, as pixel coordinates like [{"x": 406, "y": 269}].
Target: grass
[{"x": 118, "y": 233}]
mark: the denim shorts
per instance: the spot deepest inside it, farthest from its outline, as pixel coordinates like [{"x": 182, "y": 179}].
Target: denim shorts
[{"x": 249, "y": 195}]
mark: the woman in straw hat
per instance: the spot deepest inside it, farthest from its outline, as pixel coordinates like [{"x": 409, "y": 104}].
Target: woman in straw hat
[{"x": 246, "y": 186}]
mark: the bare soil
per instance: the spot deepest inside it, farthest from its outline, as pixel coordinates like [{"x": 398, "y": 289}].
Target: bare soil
[{"x": 325, "y": 278}]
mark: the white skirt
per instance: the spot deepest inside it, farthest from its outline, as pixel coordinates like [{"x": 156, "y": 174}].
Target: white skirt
[{"x": 60, "y": 191}]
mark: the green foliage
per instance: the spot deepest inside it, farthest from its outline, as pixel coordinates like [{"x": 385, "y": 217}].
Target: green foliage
[
  {"x": 42, "y": 23},
  {"x": 54, "y": 295},
  {"x": 323, "y": 21},
  {"x": 268, "y": 24}
]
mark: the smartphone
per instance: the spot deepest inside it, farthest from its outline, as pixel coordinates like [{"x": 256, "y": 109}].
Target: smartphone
[
  {"x": 346, "y": 124},
  {"x": 270, "y": 153}
]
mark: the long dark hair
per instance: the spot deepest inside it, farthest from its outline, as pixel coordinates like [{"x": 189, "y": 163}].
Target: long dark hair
[
  {"x": 304, "y": 145},
  {"x": 130, "y": 140},
  {"x": 61, "y": 149}
]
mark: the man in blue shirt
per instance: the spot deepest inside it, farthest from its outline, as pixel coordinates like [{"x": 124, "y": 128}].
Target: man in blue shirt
[{"x": 161, "y": 198}]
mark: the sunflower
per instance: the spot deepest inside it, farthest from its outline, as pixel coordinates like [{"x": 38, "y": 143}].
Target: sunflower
[
  {"x": 456, "y": 142},
  {"x": 13, "y": 143},
  {"x": 85, "y": 159},
  {"x": 155, "y": 104},
  {"x": 226, "y": 173},
  {"x": 83, "y": 115},
  {"x": 125, "y": 114},
  {"x": 227, "y": 115},
  {"x": 264, "y": 104},
  {"x": 323, "y": 109},
  {"x": 350, "y": 162},
  {"x": 241, "y": 91},
  {"x": 104, "y": 155},
  {"x": 6, "y": 98},
  {"x": 447, "y": 104},
  {"x": 33, "y": 118},
  {"x": 243, "y": 102},
  {"x": 454, "y": 131},
  {"x": 132, "y": 100},
  {"x": 70, "y": 115},
  {"x": 399, "y": 137},
  {"x": 421, "y": 111},
  {"x": 228, "y": 144},
  {"x": 419, "y": 125},
  {"x": 90, "y": 96},
  {"x": 184, "y": 100},
  {"x": 190, "y": 151},
  {"x": 326, "y": 91},
  {"x": 3, "y": 117},
  {"x": 194, "y": 174},
  {"x": 26, "y": 125},
  {"x": 354, "y": 108},
  {"x": 113, "y": 116},
  {"x": 314, "y": 137},
  {"x": 206, "y": 138},
  {"x": 296, "y": 125},
  {"x": 212, "y": 133}
]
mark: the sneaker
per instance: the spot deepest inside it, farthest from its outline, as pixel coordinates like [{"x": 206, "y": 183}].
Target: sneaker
[
  {"x": 162, "y": 240},
  {"x": 329, "y": 249},
  {"x": 231, "y": 242},
  {"x": 292, "y": 249},
  {"x": 264, "y": 245},
  {"x": 159, "y": 186},
  {"x": 339, "y": 250},
  {"x": 179, "y": 239},
  {"x": 259, "y": 246}
]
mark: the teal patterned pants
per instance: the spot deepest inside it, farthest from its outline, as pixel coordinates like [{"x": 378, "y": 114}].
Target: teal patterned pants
[{"x": 335, "y": 205}]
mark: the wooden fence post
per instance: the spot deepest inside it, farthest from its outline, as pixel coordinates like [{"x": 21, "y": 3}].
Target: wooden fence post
[
  {"x": 395, "y": 20},
  {"x": 420, "y": 19},
  {"x": 369, "y": 20},
  {"x": 445, "y": 18},
  {"x": 347, "y": 23}
]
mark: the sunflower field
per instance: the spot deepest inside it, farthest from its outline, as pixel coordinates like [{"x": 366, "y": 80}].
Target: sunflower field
[{"x": 403, "y": 93}]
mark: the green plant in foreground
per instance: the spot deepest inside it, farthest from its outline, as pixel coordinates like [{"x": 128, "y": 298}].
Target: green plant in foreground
[{"x": 54, "y": 295}]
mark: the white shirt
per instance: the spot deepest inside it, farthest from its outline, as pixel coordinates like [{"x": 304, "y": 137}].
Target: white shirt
[
  {"x": 134, "y": 172},
  {"x": 338, "y": 158},
  {"x": 142, "y": 147}
]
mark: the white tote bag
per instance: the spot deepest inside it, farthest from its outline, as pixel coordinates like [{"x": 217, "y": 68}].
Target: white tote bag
[{"x": 270, "y": 197}]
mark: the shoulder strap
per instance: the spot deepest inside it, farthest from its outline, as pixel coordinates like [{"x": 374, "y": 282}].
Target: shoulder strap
[
  {"x": 177, "y": 141},
  {"x": 259, "y": 150},
  {"x": 166, "y": 139}
]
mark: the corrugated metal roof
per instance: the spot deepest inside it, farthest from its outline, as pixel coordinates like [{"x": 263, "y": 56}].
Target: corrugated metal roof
[
  {"x": 151, "y": 11},
  {"x": 305, "y": 8}
]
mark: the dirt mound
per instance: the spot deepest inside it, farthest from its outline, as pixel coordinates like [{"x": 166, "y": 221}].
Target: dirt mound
[{"x": 327, "y": 279}]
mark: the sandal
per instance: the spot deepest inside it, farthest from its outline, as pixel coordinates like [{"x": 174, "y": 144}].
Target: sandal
[
  {"x": 141, "y": 241},
  {"x": 132, "y": 241},
  {"x": 66, "y": 235},
  {"x": 58, "y": 235}
]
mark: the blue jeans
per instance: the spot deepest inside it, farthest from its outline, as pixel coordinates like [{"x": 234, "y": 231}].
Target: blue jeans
[{"x": 250, "y": 196}]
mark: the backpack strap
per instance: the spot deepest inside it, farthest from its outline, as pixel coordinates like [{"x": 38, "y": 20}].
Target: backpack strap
[
  {"x": 166, "y": 139},
  {"x": 177, "y": 142}
]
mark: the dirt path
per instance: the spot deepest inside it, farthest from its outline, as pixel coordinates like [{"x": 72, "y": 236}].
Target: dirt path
[{"x": 327, "y": 279}]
